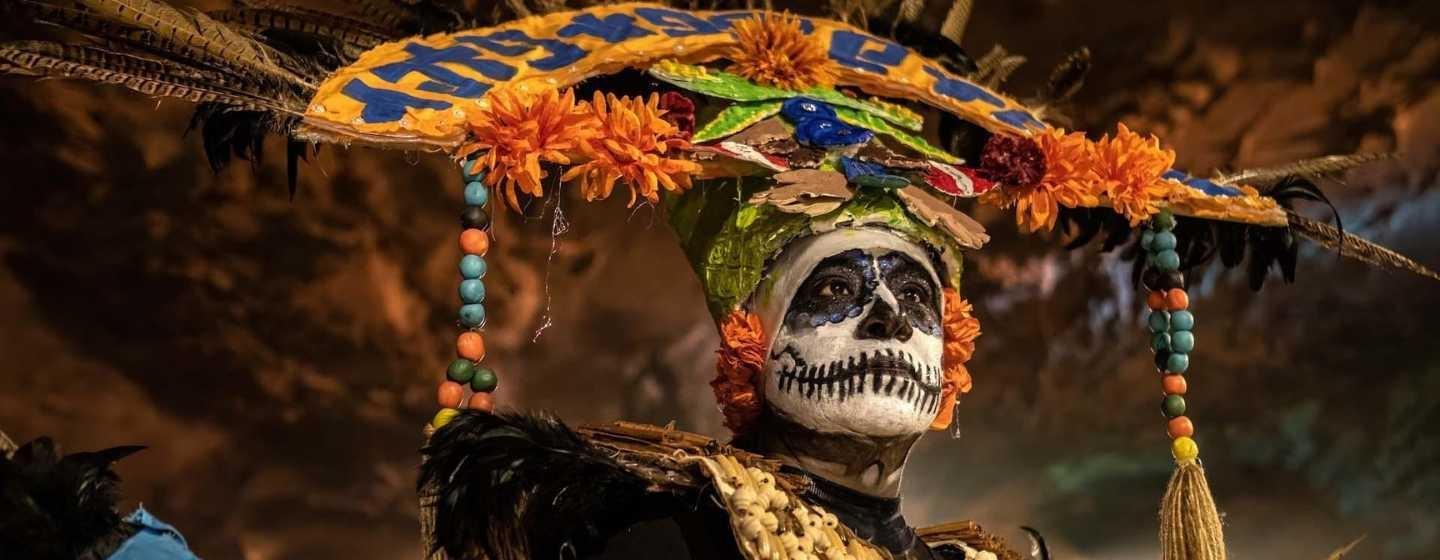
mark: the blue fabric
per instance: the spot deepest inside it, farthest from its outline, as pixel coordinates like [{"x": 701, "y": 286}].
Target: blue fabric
[{"x": 156, "y": 540}]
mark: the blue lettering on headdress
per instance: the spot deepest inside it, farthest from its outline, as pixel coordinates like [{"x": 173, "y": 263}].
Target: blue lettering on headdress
[
  {"x": 1018, "y": 118},
  {"x": 848, "y": 48},
  {"x": 513, "y": 42},
  {"x": 426, "y": 61},
  {"x": 383, "y": 105},
  {"x": 675, "y": 23},
  {"x": 961, "y": 90},
  {"x": 612, "y": 29}
]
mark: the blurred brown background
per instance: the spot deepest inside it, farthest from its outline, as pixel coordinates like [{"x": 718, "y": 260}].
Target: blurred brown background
[{"x": 279, "y": 356}]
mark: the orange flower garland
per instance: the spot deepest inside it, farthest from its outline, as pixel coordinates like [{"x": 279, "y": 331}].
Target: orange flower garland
[
  {"x": 1069, "y": 181},
  {"x": 515, "y": 133},
  {"x": 741, "y": 359},
  {"x": 772, "y": 49},
  {"x": 1130, "y": 166},
  {"x": 631, "y": 142},
  {"x": 961, "y": 330}
]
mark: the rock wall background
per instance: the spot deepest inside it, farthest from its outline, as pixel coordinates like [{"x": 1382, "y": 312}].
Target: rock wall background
[{"x": 279, "y": 356}]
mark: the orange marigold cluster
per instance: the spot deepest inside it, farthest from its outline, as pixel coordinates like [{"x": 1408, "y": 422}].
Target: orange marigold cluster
[
  {"x": 1069, "y": 181},
  {"x": 515, "y": 133},
  {"x": 631, "y": 141},
  {"x": 1122, "y": 170},
  {"x": 1129, "y": 166},
  {"x": 961, "y": 330},
  {"x": 741, "y": 359},
  {"x": 773, "y": 49}
]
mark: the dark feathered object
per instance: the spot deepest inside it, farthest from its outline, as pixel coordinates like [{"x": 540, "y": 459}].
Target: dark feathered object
[
  {"x": 515, "y": 486},
  {"x": 1198, "y": 240},
  {"x": 54, "y": 507}
]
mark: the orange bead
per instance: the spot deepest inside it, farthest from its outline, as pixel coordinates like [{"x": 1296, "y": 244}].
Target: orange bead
[
  {"x": 470, "y": 346},
  {"x": 450, "y": 394},
  {"x": 482, "y": 402},
  {"x": 1177, "y": 300},
  {"x": 474, "y": 242},
  {"x": 1180, "y": 426},
  {"x": 1174, "y": 384},
  {"x": 1155, "y": 301}
]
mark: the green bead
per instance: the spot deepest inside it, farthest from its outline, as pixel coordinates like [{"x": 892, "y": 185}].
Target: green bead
[
  {"x": 1147, "y": 240},
  {"x": 1167, "y": 260},
  {"x": 460, "y": 371},
  {"x": 1182, "y": 321},
  {"x": 1182, "y": 341},
  {"x": 1173, "y": 406},
  {"x": 1158, "y": 321},
  {"x": 1177, "y": 363},
  {"x": 1164, "y": 221},
  {"x": 1164, "y": 241},
  {"x": 1160, "y": 342},
  {"x": 484, "y": 380}
]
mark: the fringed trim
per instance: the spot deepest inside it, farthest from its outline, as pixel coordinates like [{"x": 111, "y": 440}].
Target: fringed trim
[{"x": 1189, "y": 522}]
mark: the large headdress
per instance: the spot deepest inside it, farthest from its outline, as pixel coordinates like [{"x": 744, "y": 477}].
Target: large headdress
[{"x": 752, "y": 129}]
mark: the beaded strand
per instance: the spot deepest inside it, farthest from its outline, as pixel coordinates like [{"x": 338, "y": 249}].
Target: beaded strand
[
  {"x": 465, "y": 373},
  {"x": 1171, "y": 326}
]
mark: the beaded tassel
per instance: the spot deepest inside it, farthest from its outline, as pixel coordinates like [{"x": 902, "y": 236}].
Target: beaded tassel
[
  {"x": 465, "y": 374},
  {"x": 1189, "y": 522}
]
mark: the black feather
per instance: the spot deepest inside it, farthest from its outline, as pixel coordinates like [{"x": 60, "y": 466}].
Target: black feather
[
  {"x": 54, "y": 507},
  {"x": 515, "y": 486}
]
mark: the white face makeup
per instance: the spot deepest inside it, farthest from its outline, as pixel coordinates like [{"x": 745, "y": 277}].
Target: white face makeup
[{"x": 859, "y": 340}]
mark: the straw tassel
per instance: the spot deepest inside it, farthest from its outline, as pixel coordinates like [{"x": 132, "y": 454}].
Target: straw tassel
[{"x": 1189, "y": 523}]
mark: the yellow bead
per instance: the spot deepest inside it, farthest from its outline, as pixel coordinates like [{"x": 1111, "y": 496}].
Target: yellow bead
[
  {"x": 1184, "y": 449},
  {"x": 443, "y": 417}
]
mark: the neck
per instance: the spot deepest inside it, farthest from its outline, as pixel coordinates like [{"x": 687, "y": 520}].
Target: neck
[{"x": 865, "y": 464}]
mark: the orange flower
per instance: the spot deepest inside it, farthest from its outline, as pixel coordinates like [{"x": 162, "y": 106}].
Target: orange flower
[
  {"x": 740, "y": 360},
  {"x": 1070, "y": 180},
  {"x": 772, "y": 49},
  {"x": 1129, "y": 167},
  {"x": 515, "y": 133},
  {"x": 961, "y": 330},
  {"x": 630, "y": 142}
]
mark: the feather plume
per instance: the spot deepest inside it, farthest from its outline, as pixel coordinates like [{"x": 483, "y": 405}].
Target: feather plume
[
  {"x": 1355, "y": 247},
  {"x": 55, "y": 507},
  {"x": 145, "y": 76},
  {"x": 198, "y": 37},
  {"x": 513, "y": 486},
  {"x": 1310, "y": 168},
  {"x": 349, "y": 39},
  {"x": 996, "y": 66},
  {"x": 956, "y": 19},
  {"x": 910, "y": 10},
  {"x": 1068, "y": 77}
]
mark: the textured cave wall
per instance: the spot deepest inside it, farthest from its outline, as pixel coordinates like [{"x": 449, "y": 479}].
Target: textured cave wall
[{"x": 279, "y": 356}]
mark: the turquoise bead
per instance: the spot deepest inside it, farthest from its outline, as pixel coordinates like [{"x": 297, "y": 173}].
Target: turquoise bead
[
  {"x": 1164, "y": 221},
  {"x": 1182, "y": 341},
  {"x": 1182, "y": 321},
  {"x": 460, "y": 371},
  {"x": 1164, "y": 241},
  {"x": 1160, "y": 342},
  {"x": 472, "y": 315},
  {"x": 472, "y": 291},
  {"x": 1147, "y": 240},
  {"x": 470, "y": 170},
  {"x": 472, "y": 267},
  {"x": 1177, "y": 363},
  {"x": 1167, "y": 261},
  {"x": 476, "y": 194},
  {"x": 1173, "y": 406},
  {"x": 1158, "y": 321},
  {"x": 485, "y": 380}
]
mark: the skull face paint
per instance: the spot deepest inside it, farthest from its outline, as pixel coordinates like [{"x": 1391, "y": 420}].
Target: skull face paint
[{"x": 859, "y": 344}]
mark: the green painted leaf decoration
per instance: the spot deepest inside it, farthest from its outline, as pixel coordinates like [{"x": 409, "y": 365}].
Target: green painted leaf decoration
[
  {"x": 879, "y": 126},
  {"x": 718, "y": 83},
  {"x": 736, "y": 118}
]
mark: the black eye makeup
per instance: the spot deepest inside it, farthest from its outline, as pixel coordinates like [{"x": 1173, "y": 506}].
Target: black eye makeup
[
  {"x": 837, "y": 289},
  {"x": 914, "y": 288}
]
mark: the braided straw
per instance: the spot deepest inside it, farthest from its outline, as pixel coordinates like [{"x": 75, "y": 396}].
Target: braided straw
[
  {"x": 427, "y": 497},
  {"x": 1189, "y": 522}
]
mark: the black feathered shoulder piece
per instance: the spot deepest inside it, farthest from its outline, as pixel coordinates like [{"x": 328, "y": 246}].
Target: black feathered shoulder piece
[
  {"x": 514, "y": 486},
  {"x": 60, "y": 507}
]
